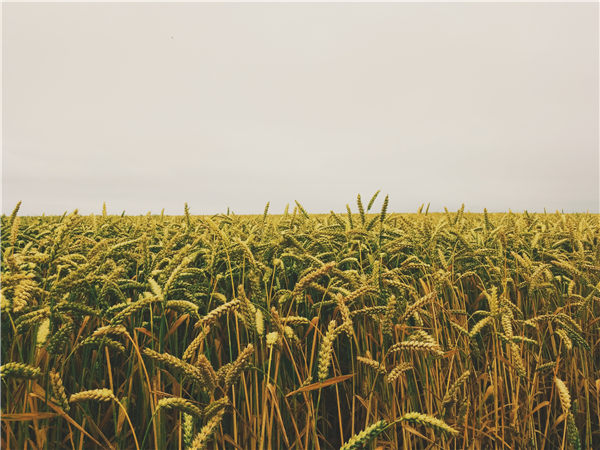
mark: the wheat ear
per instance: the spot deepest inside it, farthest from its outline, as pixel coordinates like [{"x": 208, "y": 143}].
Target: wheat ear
[
  {"x": 428, "y": 421},
  {"x": 100, "y": 395},
  {"x": 180, "y": 404},
  {"x": 19, "y": 370},
  {"x": 365, "y": 436}
]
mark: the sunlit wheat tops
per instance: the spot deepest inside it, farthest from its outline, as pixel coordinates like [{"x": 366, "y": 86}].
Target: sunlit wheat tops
[{"x": 361, "y": 328}]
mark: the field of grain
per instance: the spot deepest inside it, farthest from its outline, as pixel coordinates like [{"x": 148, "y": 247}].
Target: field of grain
[{"x": 301, "y": 331}]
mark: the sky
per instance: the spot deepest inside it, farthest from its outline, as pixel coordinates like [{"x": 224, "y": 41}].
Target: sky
[{"x": 147, "y": 106}]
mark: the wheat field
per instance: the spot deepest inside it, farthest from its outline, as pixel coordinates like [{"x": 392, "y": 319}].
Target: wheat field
[{"x": 363, "y": 329}]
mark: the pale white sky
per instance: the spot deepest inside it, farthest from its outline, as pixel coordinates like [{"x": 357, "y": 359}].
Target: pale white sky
[{"x": 147, "y": 106}]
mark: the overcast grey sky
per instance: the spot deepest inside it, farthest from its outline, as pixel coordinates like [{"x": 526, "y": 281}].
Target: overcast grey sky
[{"x": 147, "y": 106}]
